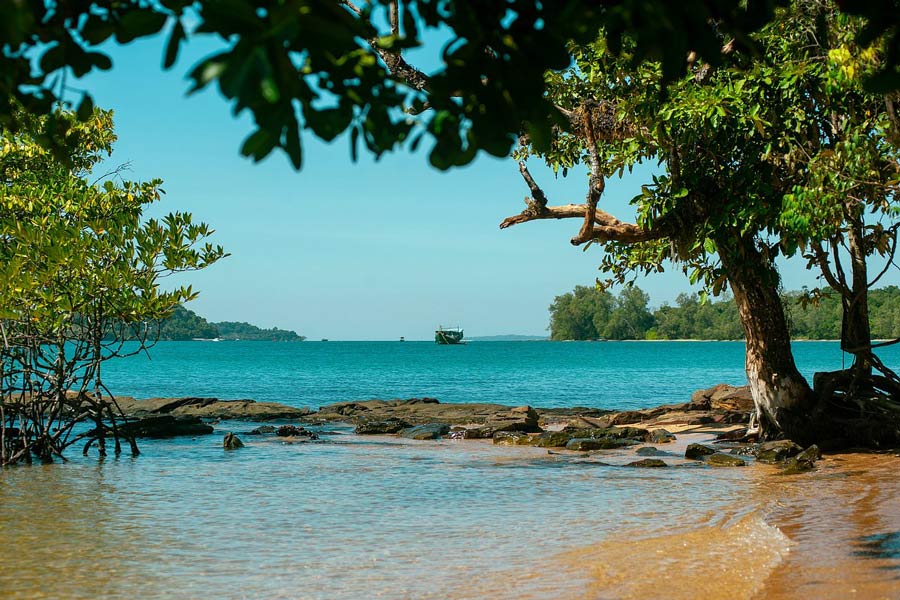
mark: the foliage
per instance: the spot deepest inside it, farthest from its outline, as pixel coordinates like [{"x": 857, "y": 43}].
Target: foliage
[
  {"x": 79, "y": 273},
  {"x": 585, "y": 315},
  {"x": 329, "y": 67},
  {"x": 233, "y": 330}
]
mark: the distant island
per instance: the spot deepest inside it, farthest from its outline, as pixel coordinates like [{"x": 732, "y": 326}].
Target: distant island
[
  {"x": 509, "y": 338},
  {"x": 185, "y": 324}
]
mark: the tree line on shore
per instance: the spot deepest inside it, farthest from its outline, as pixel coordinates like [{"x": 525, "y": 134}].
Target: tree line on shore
[
  {"x": 185, "y": 324},
  {"x": 590, "y": 313}
]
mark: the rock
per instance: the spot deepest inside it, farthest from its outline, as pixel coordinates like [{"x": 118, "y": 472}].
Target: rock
[
  {"x": 723, "y": 397},
  {"x": 520, "y": 418},
  {"x": 602, "y": 443},
  {"x": 210, "y": 408},
  {"x": 659, "y": 436},
  {"x": 698, "y": 451},
  {"x": 478, "y": 433},
  {"x": 290, "y": 431},
  {"x": 165, "y": 426},
  {"x": 720, "y": 459},
  {"x": 381, "y": 427},
  {"x": 777, "y": 451},
  {"x": 232, "y": 442},
  {"x": 647, "y": 463},
  {"x": 805, "y": 461},
  {"x": 649, "y": 451},
  {"x": 431, "y": 431},
  {"x": 737, "y": 434},
  {"x": 511, "y": 438},
  {"x": 262, "y": 429},
  {"x": 551, "y": 439}
]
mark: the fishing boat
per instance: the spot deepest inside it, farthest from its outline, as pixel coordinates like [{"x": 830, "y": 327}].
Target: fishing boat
[{"x": 452, "y": 335}]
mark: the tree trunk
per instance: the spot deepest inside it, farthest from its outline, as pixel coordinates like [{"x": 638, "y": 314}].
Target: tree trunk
[
  {"x": 856, "y": 335},
  {"x": 782, "y": 396}
]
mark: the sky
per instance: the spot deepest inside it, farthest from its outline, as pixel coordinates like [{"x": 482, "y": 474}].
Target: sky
[{"x": 354, "y": 251}]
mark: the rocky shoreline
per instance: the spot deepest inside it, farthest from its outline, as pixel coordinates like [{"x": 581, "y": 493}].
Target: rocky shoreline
[{"x": 721, "y": 413}]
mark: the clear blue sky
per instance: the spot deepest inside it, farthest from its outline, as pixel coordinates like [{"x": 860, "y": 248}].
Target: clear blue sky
[{"x": 353, "y": 251}]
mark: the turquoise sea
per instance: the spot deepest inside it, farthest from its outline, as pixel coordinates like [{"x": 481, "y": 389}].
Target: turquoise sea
[
  {"x": 543, "y": 374},
  {"x": 352, "y": 517}
]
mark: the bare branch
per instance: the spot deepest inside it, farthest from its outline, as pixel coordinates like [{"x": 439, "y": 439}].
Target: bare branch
[{"x": 822, "y": 259}]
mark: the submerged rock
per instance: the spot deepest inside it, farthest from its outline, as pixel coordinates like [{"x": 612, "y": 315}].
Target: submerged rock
[
  {"x": 232, "y": 442},
  {"x": 805, "y": 461},
  {"x": 263, "y": 429},
  {"x": 777, "y": 451},
  {"x": 551, "y": 439},
  {"x": 381, "y": 427},
  {"x": 512, "y": 438},
  {"x": 698, "y": 451},
  {"x": 431, "y": 431},
  {"x": 649, "y": 451},
  {"x": 165, "y": 426},
  {"x": 720, "y": 459},
  {"x": 648, "y": 463},
  {"x": 602, "y": 443}
]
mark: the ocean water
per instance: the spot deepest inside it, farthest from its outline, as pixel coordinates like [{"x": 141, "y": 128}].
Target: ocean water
[
  {"x": 353, "y": 517},
  {"x": 621, "y": 375}
]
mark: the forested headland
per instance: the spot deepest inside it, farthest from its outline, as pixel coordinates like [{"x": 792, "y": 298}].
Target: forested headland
[
  {"x": 590, "y": 313},
  {"x": 185, "y": 324}
]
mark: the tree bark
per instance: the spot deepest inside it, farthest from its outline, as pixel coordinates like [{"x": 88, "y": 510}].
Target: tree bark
[
  {"x": 856, "y": 334},
  {"x": 782, "y": 396}
]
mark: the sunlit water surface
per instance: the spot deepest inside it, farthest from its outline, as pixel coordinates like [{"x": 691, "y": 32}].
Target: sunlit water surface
[{"x": 352, "y": 517}]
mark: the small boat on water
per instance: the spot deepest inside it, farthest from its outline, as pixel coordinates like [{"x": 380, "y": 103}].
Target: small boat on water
[{"x": 452, "y": 335}]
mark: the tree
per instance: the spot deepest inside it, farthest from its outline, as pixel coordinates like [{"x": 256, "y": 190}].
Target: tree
[
  {"x": 729, "y": 139},
  {"x": 332, "y": 66},
  {"x": 79, "y": 274}
]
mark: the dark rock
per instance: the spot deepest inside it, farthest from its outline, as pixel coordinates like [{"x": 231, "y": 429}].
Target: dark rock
[
  {"x": 511, "y": 438},
  {"x": 551, "y": 439},
  {"x": 262, "y": 429},
  {"x": 725, "y": 460},
  {"x": 520, "y": 418},
  {"x": 478, "y": 433},
  {"x": 737, "y": 434},
  {"x": 659, "y": 436},
  {"x": 381, "y": 427},
  {"x": 704, "y": 420},
  {"x": 290, "y": 431},
  {"x": 698, "y": 451},
  {"x": 647, "y": 463},
  {"x": 165, "y": 426},
  {"x": 602, "y": 443},
  {"x": 431, "y": 431},
  {"x": 232, "y": 442},
  {"x": 777, "y": 451},
  {"x": 650, "y": 451},
  {"x": 805, "y": 461}
]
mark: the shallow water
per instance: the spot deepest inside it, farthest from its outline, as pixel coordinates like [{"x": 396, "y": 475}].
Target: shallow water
[{"x": 356, "y": 517}]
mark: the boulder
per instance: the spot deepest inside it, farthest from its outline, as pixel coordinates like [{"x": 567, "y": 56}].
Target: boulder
[
  {"x": 381, "y": 427},
  {"x": 723, "y": 397},
  {"x": 511, "y": 438},
  {"x": 698, "y": 451},
  {"x": 262, "y": 429},
  {"x": 232, "y": 442},
  {"x": 603, "y": 443},
  {"x": 649, "y": 451},
  {"x": 477, "y": 433},
  {"x": 805, "y": 461},
  {"x": 431, "y": 431},
  {"x": 551, "y": 439},
  {"x": 165, "y": 426},
  {"x": 659, "y": 436},
  {"x": 647, "y": 463},
  {"x": 720, "y": 459},
  {"x": 520, "y": 418},
  {"x": 777, "y": 451}
]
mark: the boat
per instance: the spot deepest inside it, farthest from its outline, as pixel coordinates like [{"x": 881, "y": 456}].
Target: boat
[{"x": 452, "y": 335}]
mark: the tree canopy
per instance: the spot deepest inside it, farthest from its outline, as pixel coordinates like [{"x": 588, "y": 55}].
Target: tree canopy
[{"x": 335, "y": 66}]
